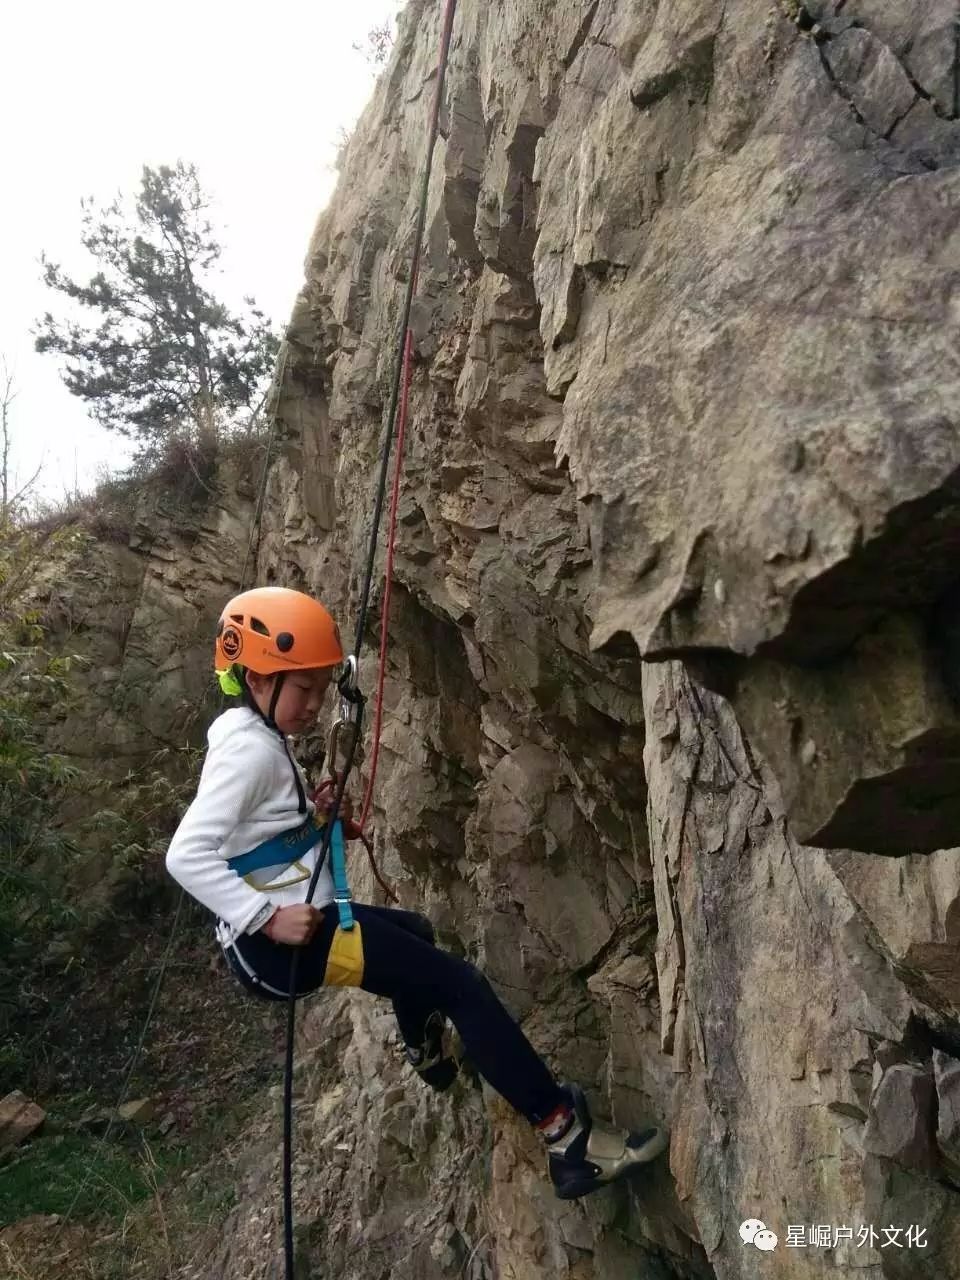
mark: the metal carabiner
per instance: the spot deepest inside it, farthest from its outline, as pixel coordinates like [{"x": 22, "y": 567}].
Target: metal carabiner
[
  {"x": 347, "y": 715},
  {"x": 348, "y": 682},
  {"x": 333, "y": 739}
]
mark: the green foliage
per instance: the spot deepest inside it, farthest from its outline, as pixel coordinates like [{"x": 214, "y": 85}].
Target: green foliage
[
  {"x": 58, "y": 877},
  {"x": 134, "y": 829},
  {"x": 32, "y": 780},
  {"x": 47, "y": 1175},
  {"x": 156, "y": 355}
]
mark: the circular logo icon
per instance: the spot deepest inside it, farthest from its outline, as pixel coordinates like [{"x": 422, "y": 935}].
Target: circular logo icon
[{"x": 231, "y": 642}]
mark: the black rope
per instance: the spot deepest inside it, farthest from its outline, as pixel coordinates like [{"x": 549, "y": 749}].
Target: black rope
[
  {"x": 255, "y": 527},
  {"x": 354, "y": 695},
  {"x": 292, "y": 1002}
]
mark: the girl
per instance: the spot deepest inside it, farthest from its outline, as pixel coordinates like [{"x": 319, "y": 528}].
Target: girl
[{"x": 247, "y": 847}]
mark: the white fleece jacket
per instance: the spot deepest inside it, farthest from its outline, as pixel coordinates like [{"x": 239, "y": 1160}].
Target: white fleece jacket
[{"x": 246, "y": 795}]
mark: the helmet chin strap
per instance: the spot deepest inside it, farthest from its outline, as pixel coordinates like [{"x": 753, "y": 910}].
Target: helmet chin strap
[
  {"x": 274, "y": 699},
  {"x": 266, "y": 716},
  {"x": 268, "y": 719}
]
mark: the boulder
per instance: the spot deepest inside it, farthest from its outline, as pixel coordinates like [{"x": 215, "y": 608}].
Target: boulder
[{"x": 19, "y": 1119}]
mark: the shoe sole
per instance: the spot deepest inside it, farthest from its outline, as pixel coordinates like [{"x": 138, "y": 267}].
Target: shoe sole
[{"x": 576, "y": 1188}]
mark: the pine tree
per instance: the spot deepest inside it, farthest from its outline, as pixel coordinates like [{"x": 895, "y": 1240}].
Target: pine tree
[{"x": 157, "y": 354}]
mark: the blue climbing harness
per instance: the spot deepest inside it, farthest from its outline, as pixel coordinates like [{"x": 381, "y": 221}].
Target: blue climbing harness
[
  {"x": 338, "y": 869},
  {"x": 287, "y": 847}
]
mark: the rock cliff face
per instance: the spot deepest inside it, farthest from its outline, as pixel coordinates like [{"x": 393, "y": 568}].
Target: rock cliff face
[
  {"x": 137, "y": 596},
  {"x": 134, "y": 590},
  {"x": 671, "y": 741}
]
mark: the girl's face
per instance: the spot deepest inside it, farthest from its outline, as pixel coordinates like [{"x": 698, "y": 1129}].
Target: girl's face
[{"x": 300, "y": 698}]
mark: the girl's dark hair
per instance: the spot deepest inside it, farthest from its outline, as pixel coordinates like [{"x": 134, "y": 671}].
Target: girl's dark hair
[{"x": 245, "y": 694}]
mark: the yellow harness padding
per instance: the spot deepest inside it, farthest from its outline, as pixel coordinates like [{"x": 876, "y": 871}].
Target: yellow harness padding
[{"x": 345, "y": 958}]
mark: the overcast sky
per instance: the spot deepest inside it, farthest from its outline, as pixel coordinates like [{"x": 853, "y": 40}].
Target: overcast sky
[{"x": 254, "y": 95}]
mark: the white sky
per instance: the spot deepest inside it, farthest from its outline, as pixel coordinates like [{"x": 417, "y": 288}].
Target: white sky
[{"x": 255, "y": 95}]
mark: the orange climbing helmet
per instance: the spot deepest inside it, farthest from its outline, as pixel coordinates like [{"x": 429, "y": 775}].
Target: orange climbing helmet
[{"x": 273, "y": 629}]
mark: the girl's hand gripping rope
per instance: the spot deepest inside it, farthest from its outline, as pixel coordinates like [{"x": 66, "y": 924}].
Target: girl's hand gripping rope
[{"x": 323, "y": 799}]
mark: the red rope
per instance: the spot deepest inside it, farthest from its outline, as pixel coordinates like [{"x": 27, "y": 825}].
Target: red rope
[
  {"x": 404, "y": 376},
  {"x": 388, "y": 576}
]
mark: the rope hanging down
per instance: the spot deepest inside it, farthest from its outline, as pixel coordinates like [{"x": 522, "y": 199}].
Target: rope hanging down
[
  {"x": 405, "y": 328},
  {"x": 348, "y": 686},
  {"x": 255, "y": 530}
]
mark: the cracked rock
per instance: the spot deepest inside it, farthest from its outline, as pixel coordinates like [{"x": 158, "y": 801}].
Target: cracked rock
[{"x": 900, "y": 1125}]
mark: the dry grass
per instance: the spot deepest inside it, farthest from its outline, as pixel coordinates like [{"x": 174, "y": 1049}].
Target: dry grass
[
  {"x": 153, "y": 1242},
  {"x": 158, "y": 1238},
  {"x": 183, "y": 471}
]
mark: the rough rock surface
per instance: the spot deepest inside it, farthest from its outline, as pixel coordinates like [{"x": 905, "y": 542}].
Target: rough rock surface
[
  {"x": 728, "y": 241},
  {"x": 806, "y": 1086},
  {"x": 674, "y": 633},
  {"x": 136, "y": 597},
  {"x": 139, "y": 607}
]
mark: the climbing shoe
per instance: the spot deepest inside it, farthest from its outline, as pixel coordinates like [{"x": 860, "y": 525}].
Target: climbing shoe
[
  {"x": 428, "y": 1059},
  {"x": 590, "y": 1155}
]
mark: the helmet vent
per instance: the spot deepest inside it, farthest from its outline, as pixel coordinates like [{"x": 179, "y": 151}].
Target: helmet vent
[
  {"x": 260, "y": 627},
  {"x": 237, "y": 617},
  {"x": 284, "y": 641}
]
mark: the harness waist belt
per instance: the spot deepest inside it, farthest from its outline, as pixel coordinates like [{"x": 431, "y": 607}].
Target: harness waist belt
[
  {"x": 284, "y": 848},
  {"x": 291, "y": 845}
]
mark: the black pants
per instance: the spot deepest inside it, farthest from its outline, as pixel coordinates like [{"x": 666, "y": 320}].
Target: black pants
[{"x": 401, "y": 962}]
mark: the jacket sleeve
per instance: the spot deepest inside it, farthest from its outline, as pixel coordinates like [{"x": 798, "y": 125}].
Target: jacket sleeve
[{"x": 226, "y": 793}]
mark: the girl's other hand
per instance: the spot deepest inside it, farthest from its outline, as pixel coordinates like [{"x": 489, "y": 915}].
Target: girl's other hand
[{"x": 293, "y": 925}]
